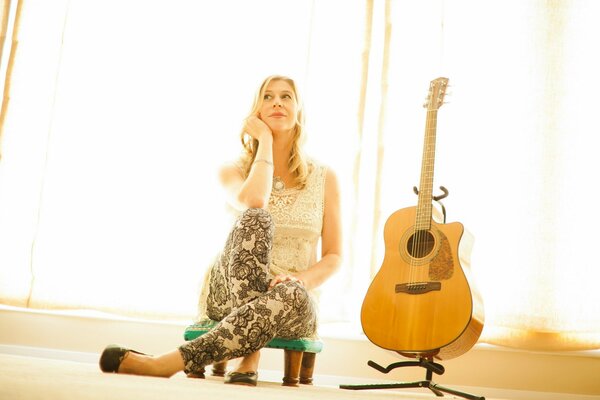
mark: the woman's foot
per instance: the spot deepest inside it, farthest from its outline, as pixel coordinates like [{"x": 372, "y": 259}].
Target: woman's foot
[
  {"x": 246, "y": 371},
  {"x": 113, "y": 356},
  {"x": 249, "y": 363},
  {"x": 137, "y": 364},
  {"x": 241, "y": 378},
  {"x": 125, "y": 361}
]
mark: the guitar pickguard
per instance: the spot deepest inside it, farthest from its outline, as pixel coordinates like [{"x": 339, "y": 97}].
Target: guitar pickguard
[{"x": 442, "y": 266}]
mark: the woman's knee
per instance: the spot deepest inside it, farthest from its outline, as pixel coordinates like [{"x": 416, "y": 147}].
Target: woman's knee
[
  {"x": 297, "y": 293},
  {"x": 255, "y": 220},
  {"x": 256, "y": 217},
  {"x": 299, "y": 309}
]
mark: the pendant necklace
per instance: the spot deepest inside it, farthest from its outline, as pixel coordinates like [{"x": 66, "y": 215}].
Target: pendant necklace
[{"x": 278, "y": 184}]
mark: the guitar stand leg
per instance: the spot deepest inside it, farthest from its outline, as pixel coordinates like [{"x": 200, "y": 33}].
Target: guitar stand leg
[
  {"x": 455, "y": 392},
  {"x": 426, "y": 363}
]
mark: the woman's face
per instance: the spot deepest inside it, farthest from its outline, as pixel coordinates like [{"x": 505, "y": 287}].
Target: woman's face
[{"x": 279, "y": 109}]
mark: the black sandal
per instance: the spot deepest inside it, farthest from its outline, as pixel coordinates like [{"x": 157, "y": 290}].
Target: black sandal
[
  {"x": 112, "y": 356},
  {"x": 241, "y": 378}
]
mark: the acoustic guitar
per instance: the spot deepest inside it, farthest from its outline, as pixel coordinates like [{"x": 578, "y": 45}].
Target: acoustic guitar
[{"x": 422, "y": 303}]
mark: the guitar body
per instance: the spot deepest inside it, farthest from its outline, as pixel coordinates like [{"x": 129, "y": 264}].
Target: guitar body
[{"x": 421, "y": 301}]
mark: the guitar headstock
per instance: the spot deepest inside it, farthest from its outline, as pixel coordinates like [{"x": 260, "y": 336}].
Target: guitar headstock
[{"x": 437, "y": 91}]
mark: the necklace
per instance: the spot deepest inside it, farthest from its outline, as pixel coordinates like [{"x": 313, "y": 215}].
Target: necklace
[{"x": 278, "y": 184}]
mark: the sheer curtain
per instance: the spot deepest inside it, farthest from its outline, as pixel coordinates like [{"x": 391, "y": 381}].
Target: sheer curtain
[
  {"x": 516, "y": 149},
  {"x": 121, "y": 111}
]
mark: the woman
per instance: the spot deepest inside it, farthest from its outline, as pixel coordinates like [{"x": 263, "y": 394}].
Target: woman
[{"x": 261, "y": 285}]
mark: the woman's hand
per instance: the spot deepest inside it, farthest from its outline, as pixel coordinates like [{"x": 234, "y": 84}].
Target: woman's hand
[
  {"x": 256, "y": 128},
  {"x": 284, "y": 278}
]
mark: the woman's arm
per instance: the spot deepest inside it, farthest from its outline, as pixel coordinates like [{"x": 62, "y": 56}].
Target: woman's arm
[
  {"x": 255, "y": 189},
  {"x": 331, "y": 241}
]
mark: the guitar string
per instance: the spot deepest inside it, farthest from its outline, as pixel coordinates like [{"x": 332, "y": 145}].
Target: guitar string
[
  {"x": 416, "y": 245},
  {"x": 420, "y": 234},
  {"x": 416, "y": 238},
  {"x": 416, "y": 234},
  {"x": 424, "y": 219}
]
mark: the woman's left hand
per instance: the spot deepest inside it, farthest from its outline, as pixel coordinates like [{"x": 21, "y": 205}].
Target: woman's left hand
[{"x": 284, "y": 278}]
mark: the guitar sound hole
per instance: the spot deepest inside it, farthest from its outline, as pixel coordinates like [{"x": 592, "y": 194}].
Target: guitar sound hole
[{"x": 420, "y": 244}]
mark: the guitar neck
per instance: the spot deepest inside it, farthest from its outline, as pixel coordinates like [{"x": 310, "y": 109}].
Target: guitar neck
[
  {"x": 424, "y": 207},
  {"x": 437, "y": 90}
]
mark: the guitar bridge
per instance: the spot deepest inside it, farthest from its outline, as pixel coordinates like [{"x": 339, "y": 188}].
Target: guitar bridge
[{"x": 418, "y": 287}]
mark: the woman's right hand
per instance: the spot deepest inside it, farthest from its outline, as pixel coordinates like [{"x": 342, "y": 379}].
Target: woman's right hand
[{"x": 256, "y": 128}]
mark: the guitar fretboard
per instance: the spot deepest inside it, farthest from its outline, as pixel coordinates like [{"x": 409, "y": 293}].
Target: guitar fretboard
[{"x": 423, "y": 219}]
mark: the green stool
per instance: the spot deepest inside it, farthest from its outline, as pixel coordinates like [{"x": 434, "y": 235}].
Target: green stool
[{"x": 299, "y": 354}]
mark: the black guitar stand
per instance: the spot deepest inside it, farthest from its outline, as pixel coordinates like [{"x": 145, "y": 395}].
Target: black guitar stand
[{"x": 423, "y": 362}]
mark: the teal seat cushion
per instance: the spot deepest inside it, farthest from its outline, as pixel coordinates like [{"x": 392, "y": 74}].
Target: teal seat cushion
[{"x": 303, "y": 344}]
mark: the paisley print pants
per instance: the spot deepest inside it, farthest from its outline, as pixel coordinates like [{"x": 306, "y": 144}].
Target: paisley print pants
[{"x": 250, "y": 313}]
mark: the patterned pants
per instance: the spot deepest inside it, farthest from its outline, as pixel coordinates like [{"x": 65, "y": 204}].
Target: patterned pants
[{"x": 250, "y": 313}]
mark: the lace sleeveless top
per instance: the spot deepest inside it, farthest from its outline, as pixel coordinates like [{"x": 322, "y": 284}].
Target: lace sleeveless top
[{"x": 298, "y": 218}]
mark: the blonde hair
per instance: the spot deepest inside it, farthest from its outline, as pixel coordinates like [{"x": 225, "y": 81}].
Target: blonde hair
[{"x": 297, "y": 163}]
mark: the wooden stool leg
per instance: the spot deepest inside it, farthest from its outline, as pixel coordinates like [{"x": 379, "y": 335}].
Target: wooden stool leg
[
  {"x": 292, "y": 360},
  {"x": 219, "y": 368},
  {"x": 307, "y": 368}
]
